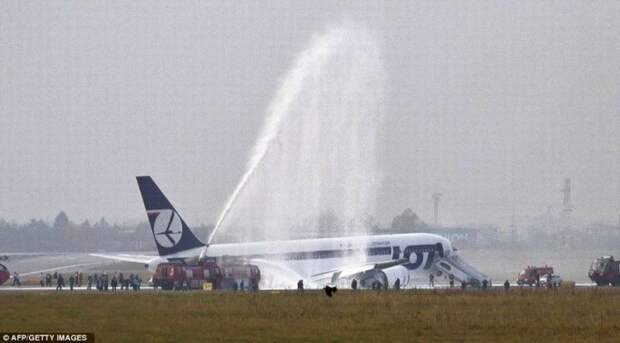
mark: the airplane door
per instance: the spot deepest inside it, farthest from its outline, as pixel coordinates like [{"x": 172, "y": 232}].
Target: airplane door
[{"x": 395, "y": 252}]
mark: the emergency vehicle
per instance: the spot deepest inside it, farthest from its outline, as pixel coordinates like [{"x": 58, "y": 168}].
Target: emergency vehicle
[
  {"x": 531, "y": 274},
  {"x": 605, "y": 271},
  {"x": 178, "y": 275},
  {"x": 211, "y": 274},
  {"x": 4, "y": 274}
]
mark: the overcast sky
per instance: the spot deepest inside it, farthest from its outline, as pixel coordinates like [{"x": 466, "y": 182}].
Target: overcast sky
[{"x": 490, "y": 103}]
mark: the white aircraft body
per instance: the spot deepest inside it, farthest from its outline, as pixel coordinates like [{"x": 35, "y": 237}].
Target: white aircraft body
[{"x": 370, "y": 260}]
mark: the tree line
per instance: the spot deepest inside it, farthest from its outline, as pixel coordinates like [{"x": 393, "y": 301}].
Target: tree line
[{"x": 63, "y": 234}]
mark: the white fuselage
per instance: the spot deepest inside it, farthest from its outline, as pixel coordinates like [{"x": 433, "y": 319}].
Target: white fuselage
[{"x": 311, "y": 257}]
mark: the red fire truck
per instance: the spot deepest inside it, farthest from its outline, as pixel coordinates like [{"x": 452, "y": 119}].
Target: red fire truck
[
  {"x": 178, "y": 275},
  {"x": 181, "y": 275},
  {"x": 531, "y": 274},
  {"x": 4, "y": 274},
  {"x": 605, "y": 271},
  {"x": 240, "y": 276}
]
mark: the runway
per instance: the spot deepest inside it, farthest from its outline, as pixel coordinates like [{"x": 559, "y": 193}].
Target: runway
[
  {"x": 7, "y": 288},
  {"x": 29, "y": 266}
]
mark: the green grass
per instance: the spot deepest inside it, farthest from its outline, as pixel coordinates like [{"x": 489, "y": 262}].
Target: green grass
[{"x": 565, "y": 315}]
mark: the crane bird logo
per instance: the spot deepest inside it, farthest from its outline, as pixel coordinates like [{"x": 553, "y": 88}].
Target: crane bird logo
[{"x": 167, "y": 228}]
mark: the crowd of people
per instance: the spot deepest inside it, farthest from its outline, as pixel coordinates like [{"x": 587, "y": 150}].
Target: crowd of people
[
  {"x": 98, "y": 281},
  {"x": 103, "y": 282}
]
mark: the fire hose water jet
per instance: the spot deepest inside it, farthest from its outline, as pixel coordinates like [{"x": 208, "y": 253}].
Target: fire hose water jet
[{"x": 314, "y": 169}]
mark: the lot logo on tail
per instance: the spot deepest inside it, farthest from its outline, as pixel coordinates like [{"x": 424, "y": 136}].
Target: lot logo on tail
[{"x": 167, "y": 227}]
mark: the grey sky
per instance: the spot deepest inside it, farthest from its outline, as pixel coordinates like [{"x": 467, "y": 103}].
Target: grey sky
[{"x": 490, "y": 103}]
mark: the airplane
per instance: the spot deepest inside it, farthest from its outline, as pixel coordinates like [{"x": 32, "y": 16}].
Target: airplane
[{"x": 370, "y": 260}]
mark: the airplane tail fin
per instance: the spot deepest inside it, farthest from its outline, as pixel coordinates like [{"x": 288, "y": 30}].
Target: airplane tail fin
[{"x": 171, "y": 233}]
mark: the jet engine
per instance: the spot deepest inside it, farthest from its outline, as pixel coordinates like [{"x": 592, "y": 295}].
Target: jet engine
[
  {"x": 378, "y": 278},
  {"x": 396, "y": 273}
]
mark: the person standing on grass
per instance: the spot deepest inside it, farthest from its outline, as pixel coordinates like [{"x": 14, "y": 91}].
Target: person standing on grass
[
  {"x": 300, "y": 285},
  {"x": 89, "y": 285},
  {"x": 60, "y": 282},
  {"x": 451, "y": 277},
  {"x": 397, "y": 284},
  {"x": 431, "y": 280},
  {"x": 354, "y": 284},
  {"x": 71, "y": 281},
  {"x": 121, "y": 280},
  {"x": 114, "y": 283},
  {"x": 16, "y": 281},
  {"x": 506, "y": 285}
]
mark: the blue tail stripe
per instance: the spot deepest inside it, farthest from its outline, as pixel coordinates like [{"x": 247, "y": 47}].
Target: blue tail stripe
[
  {"x": 155, "y": 200},
  {"x": 152, "y": 196}
]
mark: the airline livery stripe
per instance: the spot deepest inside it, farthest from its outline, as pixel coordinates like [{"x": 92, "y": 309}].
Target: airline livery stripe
[{"x": 320, "y": 254}]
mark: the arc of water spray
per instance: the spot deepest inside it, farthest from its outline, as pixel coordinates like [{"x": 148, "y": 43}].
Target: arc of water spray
[{"x": 278, "y": 109}]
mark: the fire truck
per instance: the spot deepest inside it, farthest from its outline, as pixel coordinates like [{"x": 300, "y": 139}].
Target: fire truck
[
  {"x": 4, "y": 274},
  {"x": 605, "y": 271},
  {"x": 531, "y": 274},
  {"x": 218, "y": 276}
]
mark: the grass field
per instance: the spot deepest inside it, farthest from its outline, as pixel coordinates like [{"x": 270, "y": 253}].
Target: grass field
[{"x": 564, "y": 315}]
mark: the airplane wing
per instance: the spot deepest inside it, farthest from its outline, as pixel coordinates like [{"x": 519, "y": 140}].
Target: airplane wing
[
  {"x": 359, "y": 271},
  {"x": 144, "y": 259},
  {"x": 71, "y": 267}
]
